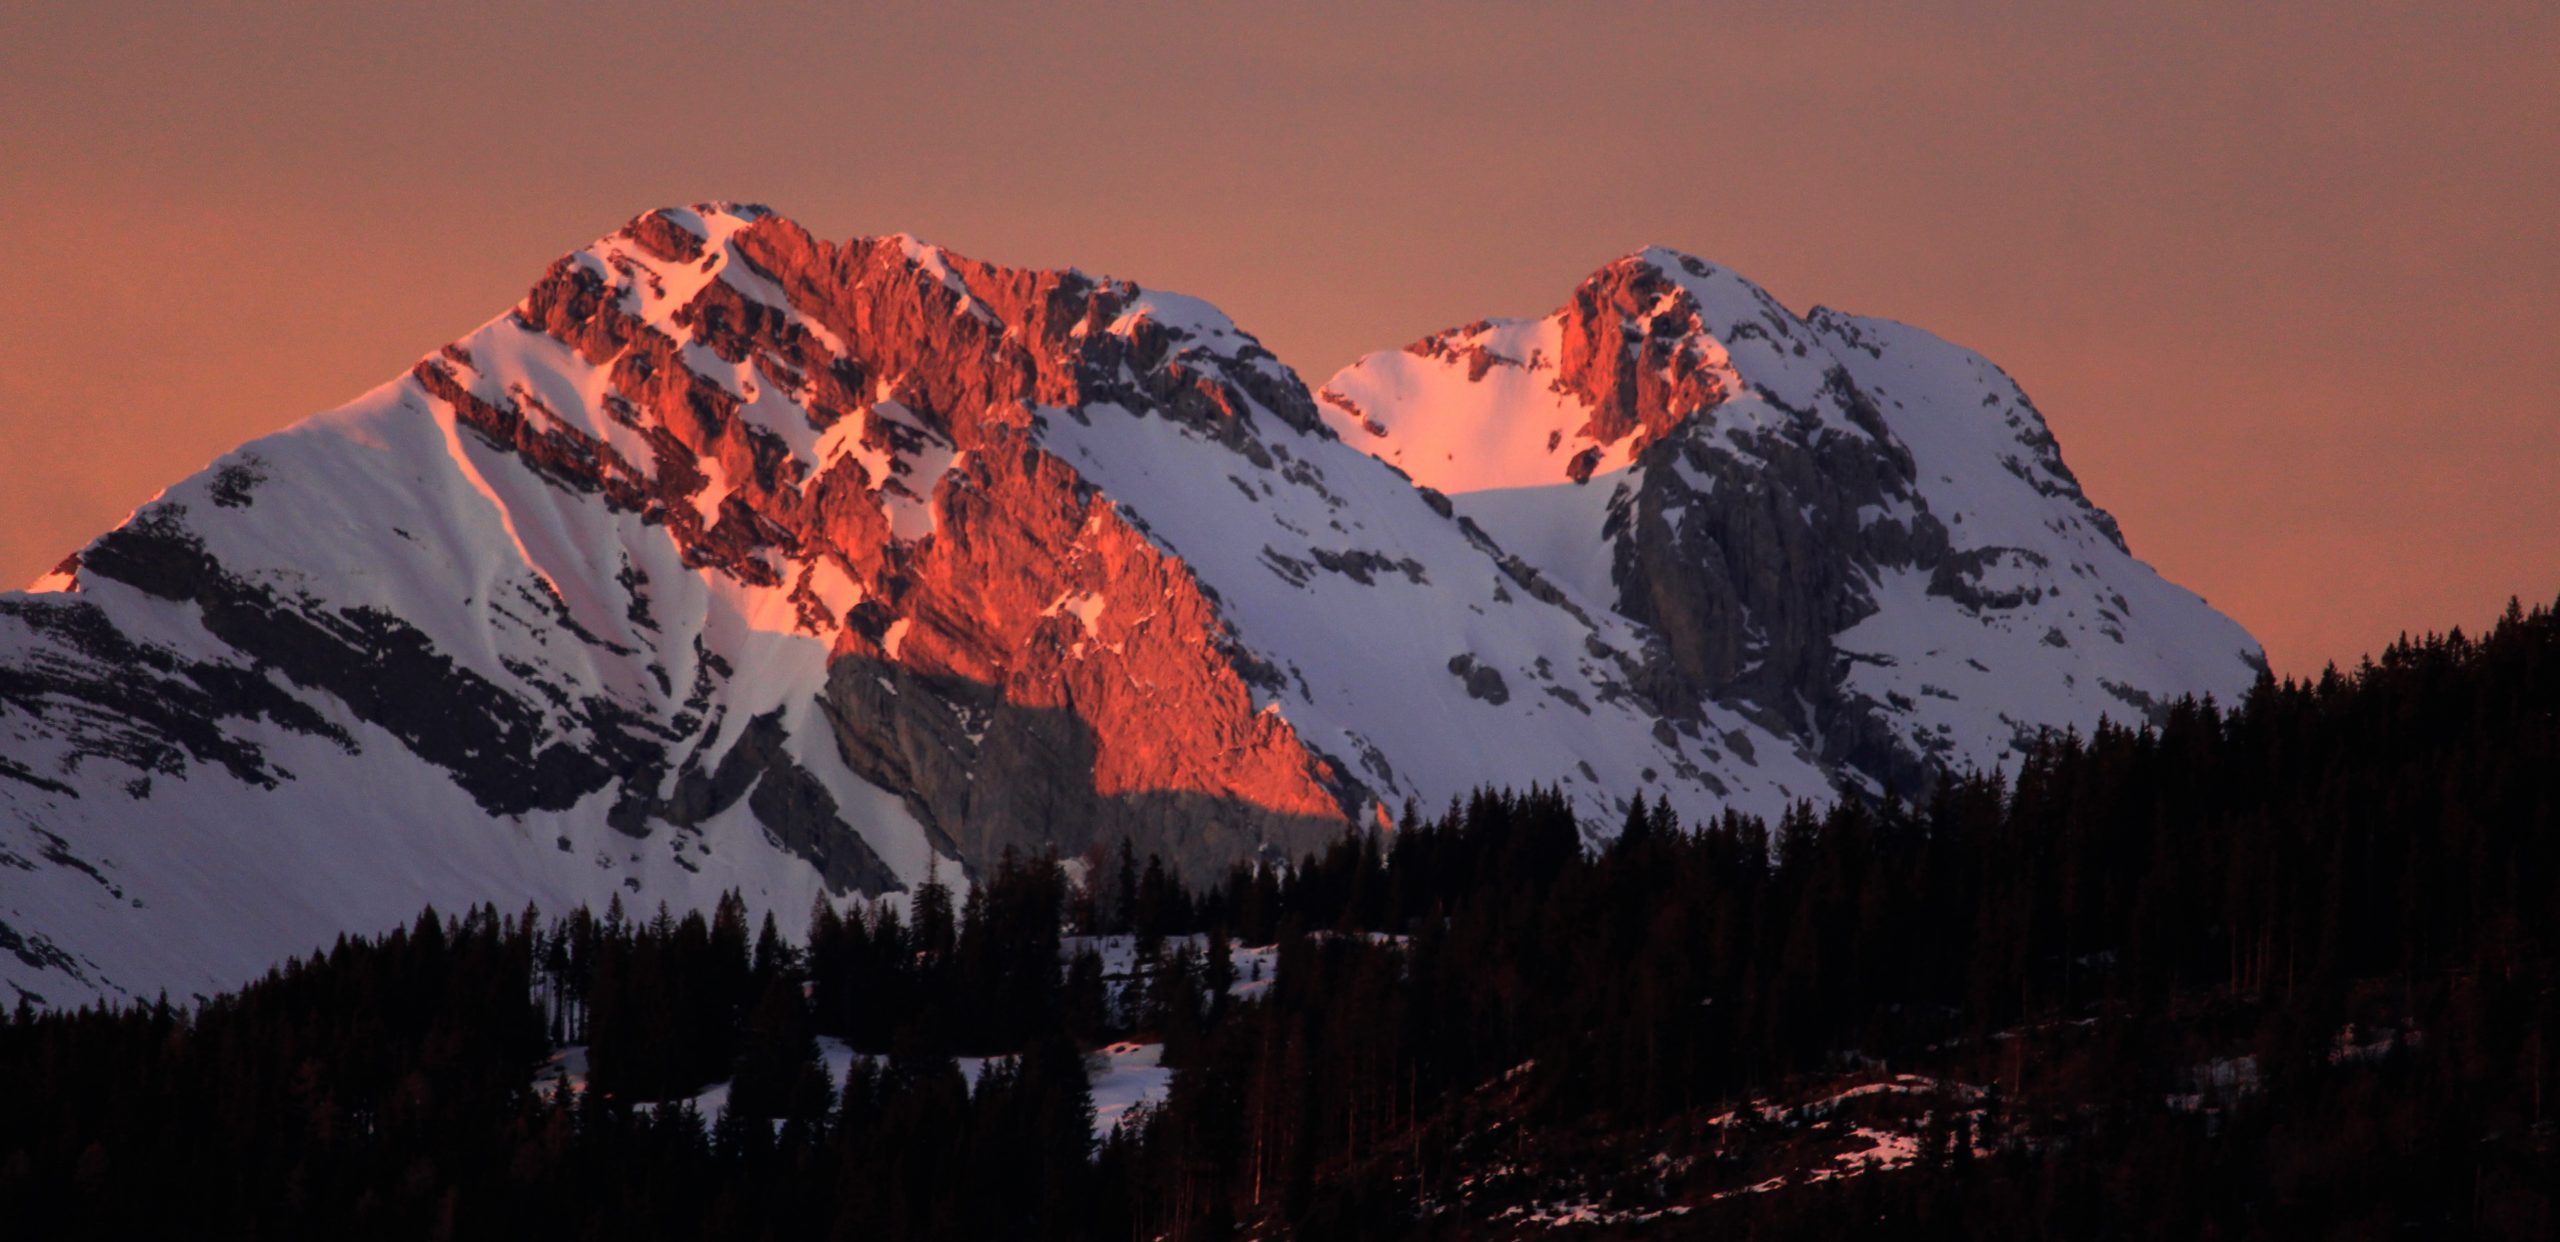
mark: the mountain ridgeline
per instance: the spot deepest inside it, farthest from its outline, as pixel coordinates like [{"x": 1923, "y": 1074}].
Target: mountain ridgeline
[{"x": 735, "y": 560}]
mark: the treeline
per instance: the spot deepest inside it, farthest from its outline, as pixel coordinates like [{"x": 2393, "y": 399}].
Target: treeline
[
  {"x": 393, "y": 1087},
  {"x": 2363, "y": 861}
]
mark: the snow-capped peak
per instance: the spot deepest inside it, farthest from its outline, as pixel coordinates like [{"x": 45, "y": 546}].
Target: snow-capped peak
[
  {"x": 735, "y": 558},
  {"x": 1844, "y": 525}
]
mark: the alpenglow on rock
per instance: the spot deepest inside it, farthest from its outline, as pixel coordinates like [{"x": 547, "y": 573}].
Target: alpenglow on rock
[{"x": 733, "y": 558}]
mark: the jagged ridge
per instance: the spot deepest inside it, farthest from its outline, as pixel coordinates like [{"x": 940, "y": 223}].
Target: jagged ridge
[{"x": 735, "y": 558}]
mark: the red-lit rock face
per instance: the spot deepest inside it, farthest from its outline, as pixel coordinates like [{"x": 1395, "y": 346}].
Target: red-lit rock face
[
  {"x": 959, "y": 611},
  {"x": 1635, "y": 350}
]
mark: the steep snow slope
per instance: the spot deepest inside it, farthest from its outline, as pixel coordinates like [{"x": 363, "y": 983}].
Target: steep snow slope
[
  {"x": 2039, "y": 616},
  {"x": 1853, "y": 532}
]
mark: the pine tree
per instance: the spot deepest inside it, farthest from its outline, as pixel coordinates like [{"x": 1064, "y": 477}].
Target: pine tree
[
  {"x": 936, "y": 930},
  {"x": 778, "y": 1071}
]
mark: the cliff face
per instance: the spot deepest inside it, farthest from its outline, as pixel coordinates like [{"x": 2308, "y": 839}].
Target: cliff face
[
  {"x": 959, "y": 681},
  {"x": 735, "y": 558}
]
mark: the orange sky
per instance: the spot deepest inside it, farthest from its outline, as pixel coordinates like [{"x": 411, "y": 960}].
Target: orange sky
[{"x": 2287, "y": 284}]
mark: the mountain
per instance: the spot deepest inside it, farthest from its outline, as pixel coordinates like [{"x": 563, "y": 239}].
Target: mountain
[
  {"x": 731, "y": 558},
  {"x": 1858, "y": 535}
]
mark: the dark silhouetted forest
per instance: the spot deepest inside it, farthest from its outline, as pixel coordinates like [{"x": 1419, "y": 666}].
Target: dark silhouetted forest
[{"x": 2280, "y": 970}]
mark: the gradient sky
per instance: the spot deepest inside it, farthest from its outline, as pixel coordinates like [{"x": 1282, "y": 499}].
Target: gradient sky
[{"x": 2286, "y": 281}]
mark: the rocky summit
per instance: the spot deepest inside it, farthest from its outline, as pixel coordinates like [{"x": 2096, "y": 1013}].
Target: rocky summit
[{"x": 732, "y": 558}]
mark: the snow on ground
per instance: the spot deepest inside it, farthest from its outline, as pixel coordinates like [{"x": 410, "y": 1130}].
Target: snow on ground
[
  {"x": 1256, "y": 966},
  {"x": 1566, "y": 1214},
  {"x": 566, "y": 1067},
  {"x": 1881, "y": 1144},
  {"x": 1256, "y": 970},
  {"x": 1816, "y": 1110},
  {"x": 1877, "y": 1151},
  {"x": 1125, "y": 1079},
  {"x": 837, "y": 1055}
]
